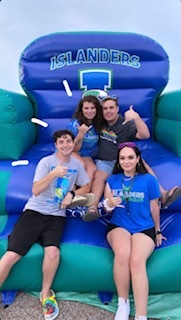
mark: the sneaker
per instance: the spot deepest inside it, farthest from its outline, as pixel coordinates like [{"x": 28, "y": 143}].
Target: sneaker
[
  {"x": 141, "y": 318},
  {"x": 123, "y": 309},
  {"x": 90, "y": 199},
  {"x": 78, "y": 201},
  {"x": 50, "y": 307}
]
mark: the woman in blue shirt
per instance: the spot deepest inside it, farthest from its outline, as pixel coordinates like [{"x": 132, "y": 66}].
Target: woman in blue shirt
[
  {"x": 132, "y": 195},
  {"x": 86, "y": 124}
]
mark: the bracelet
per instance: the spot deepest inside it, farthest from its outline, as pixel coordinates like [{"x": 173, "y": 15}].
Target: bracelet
[
  {"x": 106, "y": 205},
  {"x": 72, "y": 193}
]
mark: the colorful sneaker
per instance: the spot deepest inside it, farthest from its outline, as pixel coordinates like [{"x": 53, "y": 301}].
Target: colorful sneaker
[{"x": 50, "y": 307}]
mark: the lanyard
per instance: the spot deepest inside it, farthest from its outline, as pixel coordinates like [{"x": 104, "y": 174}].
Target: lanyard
[{"x": 126, "y": 190}]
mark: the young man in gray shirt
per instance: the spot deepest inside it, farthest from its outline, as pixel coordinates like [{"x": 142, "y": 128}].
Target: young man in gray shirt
[{"x": 43, "y": 216}]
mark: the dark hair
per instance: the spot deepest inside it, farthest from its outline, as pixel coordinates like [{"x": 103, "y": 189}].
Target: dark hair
[
  {"x": 115, "y": 99},
  {"x": 61, "y": 133},
  {"x": 140, "y": 168},
  {"x": 98, "y": 121}
]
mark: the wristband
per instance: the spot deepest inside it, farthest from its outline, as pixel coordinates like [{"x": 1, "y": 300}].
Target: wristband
[
  {"x": 106, "y": 205},
  {"x": 72, "y": 193},
  {"x": 158, "y": 231}
]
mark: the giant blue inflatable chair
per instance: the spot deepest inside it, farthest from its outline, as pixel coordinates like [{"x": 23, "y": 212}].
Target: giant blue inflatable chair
[{"x": 134, "y": 68}]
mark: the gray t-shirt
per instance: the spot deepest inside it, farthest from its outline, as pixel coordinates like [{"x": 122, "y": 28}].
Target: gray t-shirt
[
  {"x": 112, "y": 136},
  {"x": 48, "y": 201}
]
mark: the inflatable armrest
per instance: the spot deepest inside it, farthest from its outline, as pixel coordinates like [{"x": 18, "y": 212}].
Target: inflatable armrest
[
  {"x": 17, "y": 132},
  {"x": 168, "y": 121}
]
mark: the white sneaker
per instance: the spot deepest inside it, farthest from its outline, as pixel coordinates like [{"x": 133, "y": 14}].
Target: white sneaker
[
  {"x": 141, "y": 318},
  {"x": 123, "y": 309}
]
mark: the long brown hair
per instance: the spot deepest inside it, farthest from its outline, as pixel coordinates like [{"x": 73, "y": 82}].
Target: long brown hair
[
  {"x": 140, "y": 168},
  {"x": 98, "y": 120}
]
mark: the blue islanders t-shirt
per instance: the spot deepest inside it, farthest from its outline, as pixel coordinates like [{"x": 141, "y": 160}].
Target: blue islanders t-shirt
[
  {"x": 136, "y": 195},
  {"x": 90, "y": 142}
]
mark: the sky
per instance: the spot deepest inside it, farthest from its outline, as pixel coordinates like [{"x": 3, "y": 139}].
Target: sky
[{"x": 23, "y": 21}]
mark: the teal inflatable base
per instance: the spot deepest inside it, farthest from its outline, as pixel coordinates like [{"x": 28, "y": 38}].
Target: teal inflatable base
[
  {"x": 86, "y": 268},
  {"x": 160, "y": 306}
]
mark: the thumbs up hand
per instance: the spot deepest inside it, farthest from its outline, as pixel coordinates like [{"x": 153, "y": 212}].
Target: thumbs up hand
[
  {"x": 60, "y": 171},
  {"x": 130, "y": 115}
]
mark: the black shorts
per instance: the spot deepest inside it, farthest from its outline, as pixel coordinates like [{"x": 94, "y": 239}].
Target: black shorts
[
  {"x": 34, "y": 227},
  {"x": 149, "y": 232}
]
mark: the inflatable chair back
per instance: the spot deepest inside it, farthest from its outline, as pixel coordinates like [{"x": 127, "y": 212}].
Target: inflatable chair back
[{"x": 133, "y": 68}]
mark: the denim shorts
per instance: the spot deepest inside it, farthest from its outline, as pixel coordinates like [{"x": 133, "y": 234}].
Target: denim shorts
[{"x": 106, "y": 166}]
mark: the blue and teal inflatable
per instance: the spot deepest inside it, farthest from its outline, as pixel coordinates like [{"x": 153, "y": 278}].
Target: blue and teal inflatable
[{"x": 133, "y": 67}]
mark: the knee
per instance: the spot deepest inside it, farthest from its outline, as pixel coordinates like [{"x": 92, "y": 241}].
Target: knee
[
  {"x": 10, "y": 258},
  {"x": 136, "y": 263},
  {"x": 52, "y": 252},
  {"x": 99, "y": 176},
  {"x": 122, "y": 258}
]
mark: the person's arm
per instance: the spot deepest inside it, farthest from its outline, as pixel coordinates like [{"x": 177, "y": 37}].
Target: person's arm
[
  {"x": 82, "y": 130},
  {"x": 155, "y": 211},
  {"x": 142, "y": 129},
  {"x": 42, "y": 184},
  {"x": 149, "y": 169},
  {"x": 110, "y": 202}
]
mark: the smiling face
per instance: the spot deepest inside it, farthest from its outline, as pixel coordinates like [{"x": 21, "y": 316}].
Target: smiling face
[
  {"x": 128, "y": 160},
  {"x": 64, "y": 145},
  {"x": 89, "y": 111},
  {"x": 110, "y": 111}
]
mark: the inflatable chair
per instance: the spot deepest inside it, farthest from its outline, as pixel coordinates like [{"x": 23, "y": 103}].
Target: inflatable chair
[{"x": 134, "y": 68}]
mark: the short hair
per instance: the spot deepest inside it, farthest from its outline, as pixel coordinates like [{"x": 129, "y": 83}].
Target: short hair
[
  {"x": 115, "y": 99},
  {"x": 61, "y": 133}
]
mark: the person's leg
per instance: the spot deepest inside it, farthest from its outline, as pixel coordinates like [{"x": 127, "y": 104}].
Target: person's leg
[
  {"x": 50, "y": 239},
  {"x": 6, "y": 263},
  {"x": 90, "y": 167},
  {"x": 50, "y": 264},
  {"x": 120, "y": 241},
  {"x": 47, "y": 296},
  {"x": 97, "y": 189},
  {"x": 23, "y": 235},
  {"x": 88, "y": 164},
  {"x": 167, "y": 196},
  {"x": 98, "y": 185},
  {"x": 142, "y": 248}
]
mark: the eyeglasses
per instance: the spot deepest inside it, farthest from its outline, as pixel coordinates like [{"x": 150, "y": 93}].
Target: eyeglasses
[{"x": 126, "y": 144}]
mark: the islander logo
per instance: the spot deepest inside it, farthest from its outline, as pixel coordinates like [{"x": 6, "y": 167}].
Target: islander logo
[
  {"x": 99, "y": 94},
  {"x": 95, "y": 78}
]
